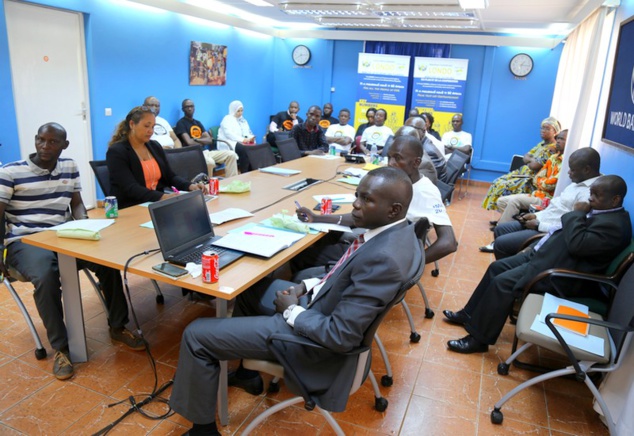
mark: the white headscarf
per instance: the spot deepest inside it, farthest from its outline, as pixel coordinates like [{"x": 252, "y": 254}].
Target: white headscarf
[{"x": 234, "y": 106}]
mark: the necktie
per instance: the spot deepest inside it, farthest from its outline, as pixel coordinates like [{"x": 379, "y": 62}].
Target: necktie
[{"x": 353, "y": 247}]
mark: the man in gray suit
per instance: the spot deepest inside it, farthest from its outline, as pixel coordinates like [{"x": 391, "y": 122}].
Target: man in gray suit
[{"x": 340, "y": 310}]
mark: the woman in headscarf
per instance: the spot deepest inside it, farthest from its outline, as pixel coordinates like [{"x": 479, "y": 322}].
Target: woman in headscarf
[
  {"x": 519, "y": 181},
  {"x": 234, "y": 127}
]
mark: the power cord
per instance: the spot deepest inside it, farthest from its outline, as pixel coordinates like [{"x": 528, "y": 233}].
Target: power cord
[{"x": 137, "y": 406}]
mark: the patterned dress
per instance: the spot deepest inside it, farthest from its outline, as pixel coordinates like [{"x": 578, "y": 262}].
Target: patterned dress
[{"x": 509, "y": 184}]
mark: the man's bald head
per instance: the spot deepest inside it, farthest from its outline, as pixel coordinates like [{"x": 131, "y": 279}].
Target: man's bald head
[
  {"x": 56, "y": 128},
  {"x": 418, "y": 123},
  {"x": 153, "y": 103},
  {"x": 607, "y": 192},
  {"x": 407, "y": 131}
]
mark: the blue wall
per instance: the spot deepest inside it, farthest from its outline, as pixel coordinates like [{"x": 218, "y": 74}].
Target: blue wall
[{"x": 134, "y": 51}]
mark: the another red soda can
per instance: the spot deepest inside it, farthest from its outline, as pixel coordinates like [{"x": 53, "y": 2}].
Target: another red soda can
[
  {"x": 326, "y": 206},
  {"x": 214, "y": 186},
  {"x": 211, "y": 269}
]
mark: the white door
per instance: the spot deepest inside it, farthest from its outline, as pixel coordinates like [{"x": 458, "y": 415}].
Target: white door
[{"x": 48, "y": 68}]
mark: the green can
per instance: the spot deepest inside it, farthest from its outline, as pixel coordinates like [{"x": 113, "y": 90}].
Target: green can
[{"x": 112, "y": 207}]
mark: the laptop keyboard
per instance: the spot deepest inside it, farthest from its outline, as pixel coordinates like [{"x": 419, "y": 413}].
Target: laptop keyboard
[{"x": 195, "y": 256}]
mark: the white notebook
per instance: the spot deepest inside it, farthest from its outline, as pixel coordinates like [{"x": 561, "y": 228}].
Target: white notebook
[{"x": 259, "y": 240}]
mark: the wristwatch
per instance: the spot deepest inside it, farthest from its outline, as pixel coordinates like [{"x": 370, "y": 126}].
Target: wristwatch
[{"x": 287, "y": 312}]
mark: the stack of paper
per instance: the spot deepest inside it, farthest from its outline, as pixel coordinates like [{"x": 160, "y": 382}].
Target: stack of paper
[
  {"x": 229, "y": 214},
  {"x": 259, "y": 240},
  {"x": 279, "y": 171}
]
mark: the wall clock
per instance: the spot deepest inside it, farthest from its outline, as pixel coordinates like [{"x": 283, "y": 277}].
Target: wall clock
[
  {"x": 521, "y": 65},
  {"x": 301, "y": 55}
]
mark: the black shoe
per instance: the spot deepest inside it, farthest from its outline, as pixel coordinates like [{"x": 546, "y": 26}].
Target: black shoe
[
  {"x": 493, "y": 223},
  {"x": 487, "y": 248},
  {"x": 460, "y": 317},
  {"x": 253, "y": 385},
  {"x": 467, "y": 345}
]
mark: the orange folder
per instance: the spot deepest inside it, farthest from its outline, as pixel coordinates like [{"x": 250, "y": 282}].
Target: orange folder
[{"x": 580, "y": 328}]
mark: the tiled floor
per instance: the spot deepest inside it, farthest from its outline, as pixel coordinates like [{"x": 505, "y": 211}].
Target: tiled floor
[{"x": 435, "y": 392}]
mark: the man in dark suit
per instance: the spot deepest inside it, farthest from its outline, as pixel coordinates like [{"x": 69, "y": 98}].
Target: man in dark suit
[
  {"x": 340, "y": 310},
  {"x": 590, "y": 237}
]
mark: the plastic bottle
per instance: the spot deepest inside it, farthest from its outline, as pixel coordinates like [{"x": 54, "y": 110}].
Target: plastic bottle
[{"x": 374, "y": 154}]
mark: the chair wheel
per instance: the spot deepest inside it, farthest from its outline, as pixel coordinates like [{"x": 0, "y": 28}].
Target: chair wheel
[
  {"x": 160, "y": 299},
  {"x": 387, "y": 381},
  {"x": 429, "y": 313},
  {"x": 40, "y": 353},
  {"x": 380, "y": 404},
  {"x": 503, "y": 368},
  {"x": 274, "y": 388},
  {"x": 497, "y": 416},
  {"x": 414, "y": 337},
  {"x": 435, "y": 272}
]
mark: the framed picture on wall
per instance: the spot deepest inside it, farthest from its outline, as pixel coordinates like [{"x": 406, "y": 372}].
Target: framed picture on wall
[
  {"x": 618, "y": 128},
  {"x": 207, "y": 64}
]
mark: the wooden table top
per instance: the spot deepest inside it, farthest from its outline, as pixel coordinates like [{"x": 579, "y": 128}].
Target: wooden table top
[{"x": 267, "y": 197}]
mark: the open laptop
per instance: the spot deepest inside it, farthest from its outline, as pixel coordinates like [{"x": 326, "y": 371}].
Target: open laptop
[{"x": 184, "y": 230}]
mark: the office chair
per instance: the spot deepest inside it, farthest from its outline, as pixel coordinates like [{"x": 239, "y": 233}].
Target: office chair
[
  {"x": 616, "y": 332},
  {"x": 386, "y": 147},
  {"x": 187, "y": 162},
  {"x": 282, "y": 368},
  {"x": 260, "y": 155},
  {"x": 612, "y": 278},
  {"x": 100, "y": 168},
  {"x": 288, "y": 149},
  {"x": 467, "y": 171},
  {"x": 456, "y": 165}
]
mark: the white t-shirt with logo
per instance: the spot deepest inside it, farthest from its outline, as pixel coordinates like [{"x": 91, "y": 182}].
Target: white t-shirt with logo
[
  {"x": 162, "y": 131},
  {"x": 376, "y": 135}
]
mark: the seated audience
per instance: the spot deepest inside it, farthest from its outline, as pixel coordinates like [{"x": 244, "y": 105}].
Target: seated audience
[
  {"x": 429, "y": 125},
  {"x": 517, "y": 181},
  {"x": 310, "y": 138},
  {"x": 587, "y": 240},
  {"x": 457, "y": 139},
  {"x": 327, "y": 119},
  {"x": 404, "y": 153},
  {"x": 234, "y": 127},
  {"x": 583, "y": 170},
  {"x": 341, "y": 133},
  {"x": 377, "y": 134},
  {"x": 38, "y": 193},
  {"x": 235, "y": 130},
  {"x": 192, "y": 132},
  {"x": 426, "y": 167},
  {"x": 139, "y": 170},
  {"x": 163, "y": 133},
  {"x": 342, "y": 307},
  {"x": 437, "y": 158},
  {"x": 544, "y": 184},
  {"x": 283, "y": 122},
  {"x": 369, "y": 115}
]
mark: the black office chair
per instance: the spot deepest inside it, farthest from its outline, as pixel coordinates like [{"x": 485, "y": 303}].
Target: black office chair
[
  {"x": 282, "y": 368},
  {"x": 187, "y": 162},
  {"x": 386, "y": 147},
  {"x": 260, "y": 155},
  {"x": 288, "y": 149},
  {"x": 100, "y": 168},
  {"x": 456, "y": 165}
]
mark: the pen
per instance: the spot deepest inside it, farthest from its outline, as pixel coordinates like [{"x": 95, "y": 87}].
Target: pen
[
  {"x": 259, "y": 234},
  {"x": 175, "y": 190},
  {"x": 299, "y": 206}
]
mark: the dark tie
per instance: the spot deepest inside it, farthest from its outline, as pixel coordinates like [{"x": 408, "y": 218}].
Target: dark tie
[{"x": 353, "y": 247}]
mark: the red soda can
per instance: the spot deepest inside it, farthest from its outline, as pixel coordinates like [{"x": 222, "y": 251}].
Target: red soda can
[
  {"x": 326, "y": 206},
  {"x": 211, "y": 270},
  {"x": 214, "y": 185}
]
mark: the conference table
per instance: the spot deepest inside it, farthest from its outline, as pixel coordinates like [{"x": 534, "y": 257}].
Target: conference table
[{"x": 126, "y": 238}]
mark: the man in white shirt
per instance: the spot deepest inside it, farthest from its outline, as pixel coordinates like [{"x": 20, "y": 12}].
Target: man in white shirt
[
  {"x": 163, "y": 132},
  {"x": 457, "y": 139},
  {"x": 341, "y": 134},
  {"x": 376, "y": 134},
  {"x": 584, "y": 170}
]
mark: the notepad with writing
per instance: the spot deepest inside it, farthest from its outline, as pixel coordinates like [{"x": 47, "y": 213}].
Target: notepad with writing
[
  {"x": 578, "y": 327},
  {"x": 259, "y": 240}
]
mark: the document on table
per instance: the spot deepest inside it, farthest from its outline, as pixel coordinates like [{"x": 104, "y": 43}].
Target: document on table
[
  {"x": 354, "y": 181},
  {"x": 356, "y": 172},
  {"x": 259, "y": 240},
  {"x": 336, "y": 198},
  {"x": 94, "y": 225},
  {"x": 229, "y": 214},
  {"x": 589, "y": 343},
  {"x": 279, "y": 171},
  {"x": 324, "y": 156},
  {"x": 324, "y": 227}
]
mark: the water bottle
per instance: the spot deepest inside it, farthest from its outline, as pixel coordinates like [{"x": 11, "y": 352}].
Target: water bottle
[{"x": 374, "y": 154}]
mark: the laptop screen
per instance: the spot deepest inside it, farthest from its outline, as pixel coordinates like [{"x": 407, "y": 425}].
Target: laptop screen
[{"x": 181, "y": 221}]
